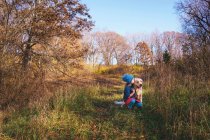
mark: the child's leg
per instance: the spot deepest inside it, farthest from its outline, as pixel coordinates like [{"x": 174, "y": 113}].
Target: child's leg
[
  {"x": 132, "y": 102},
  {"x": 139, "y": 104}
]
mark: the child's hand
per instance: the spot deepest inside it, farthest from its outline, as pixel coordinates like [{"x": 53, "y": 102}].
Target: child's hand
[{"x": 132, "y": 94}]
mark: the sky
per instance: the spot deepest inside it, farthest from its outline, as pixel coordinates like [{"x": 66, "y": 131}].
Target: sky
[{"x": 133, "y": 16}]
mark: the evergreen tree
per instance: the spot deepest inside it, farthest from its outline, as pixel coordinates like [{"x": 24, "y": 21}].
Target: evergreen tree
[{"x": 166, "y": 57}]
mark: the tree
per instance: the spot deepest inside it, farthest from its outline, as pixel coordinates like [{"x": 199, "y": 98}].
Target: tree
[
  {"x": 28, "y": 24},
  {"x": 105, "y": 47},
  {"x": 157, "y": 44},
  {"x": 171, "y": 40},
  {"x": 166, "y": 57},
  {"x": 112, "y": 47},
  {"x": 145, "y": 53},
  {"x": 195, "y": 17},
  {"x": 121, "y": 48},
  {"x": 133, "y": 40},
  {"x": 92, "y": 55}
]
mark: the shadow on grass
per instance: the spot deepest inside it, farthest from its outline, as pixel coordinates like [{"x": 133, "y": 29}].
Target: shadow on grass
[{"x": 152, "y": 121}]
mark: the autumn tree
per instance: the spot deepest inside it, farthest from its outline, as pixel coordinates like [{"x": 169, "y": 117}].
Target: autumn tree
[
  {"x": 27, "y": 24},
  {"x": 112, "y": 46},
  {"x": 145, "y": 53},
  {"x": 133, "y": 40},
  {"x": 38, "y": 36}
]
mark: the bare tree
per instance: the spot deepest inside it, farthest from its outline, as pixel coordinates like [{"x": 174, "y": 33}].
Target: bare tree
[
  {"x": 157, "y": 44},
  {"x": 195, "y": 18},
  {"x": 172, "y": 40},
  {"x": 105, "y": 47},
  {"x": 112, "y": 47},
  {"x": 90, "y": 43},
  {"x": 121, "y": 48}
]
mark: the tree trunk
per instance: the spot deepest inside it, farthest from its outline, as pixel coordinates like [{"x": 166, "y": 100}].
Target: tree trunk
[{"x": 26, "y": 57}]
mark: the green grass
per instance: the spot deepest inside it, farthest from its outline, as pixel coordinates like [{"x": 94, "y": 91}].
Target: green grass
[
  {"x": 89, "y": 113},
  {"x": 85, "y": 113}
]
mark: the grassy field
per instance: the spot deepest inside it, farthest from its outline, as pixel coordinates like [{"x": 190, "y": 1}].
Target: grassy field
[
  {"x": 89, "y": 112},
  {"x": 80, "y": 113}
]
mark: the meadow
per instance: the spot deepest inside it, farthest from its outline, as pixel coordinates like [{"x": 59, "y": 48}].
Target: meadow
[{"x": 88, "y": 111}]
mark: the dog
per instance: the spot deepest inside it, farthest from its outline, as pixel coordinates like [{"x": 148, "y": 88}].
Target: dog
[{"x": 138, "y": 88}]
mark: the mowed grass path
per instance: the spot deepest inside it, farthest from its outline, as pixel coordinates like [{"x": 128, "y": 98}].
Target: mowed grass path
[{"x": 86, "y": 113}]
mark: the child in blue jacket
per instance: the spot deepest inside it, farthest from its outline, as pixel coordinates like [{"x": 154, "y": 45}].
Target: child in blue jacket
[{"x": 129, "y": 92}]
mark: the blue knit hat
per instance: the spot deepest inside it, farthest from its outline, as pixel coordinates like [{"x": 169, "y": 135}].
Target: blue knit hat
[{"x": 127, "y": 78}]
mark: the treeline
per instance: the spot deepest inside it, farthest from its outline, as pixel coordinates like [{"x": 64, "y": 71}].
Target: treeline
[{"x": 110, "y": 48}]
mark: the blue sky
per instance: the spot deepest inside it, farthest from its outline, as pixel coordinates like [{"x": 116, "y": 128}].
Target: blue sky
[{"x": 134, "y": 16}]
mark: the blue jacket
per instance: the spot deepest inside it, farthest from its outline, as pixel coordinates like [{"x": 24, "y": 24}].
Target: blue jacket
[{"x": 127, "y": 91}]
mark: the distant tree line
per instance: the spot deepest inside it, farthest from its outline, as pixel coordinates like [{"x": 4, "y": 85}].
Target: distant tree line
[{"x": 111, "y": 48}]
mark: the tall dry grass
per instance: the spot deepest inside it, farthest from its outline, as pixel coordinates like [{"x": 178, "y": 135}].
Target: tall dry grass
[{"x": 183, "y": 99}]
